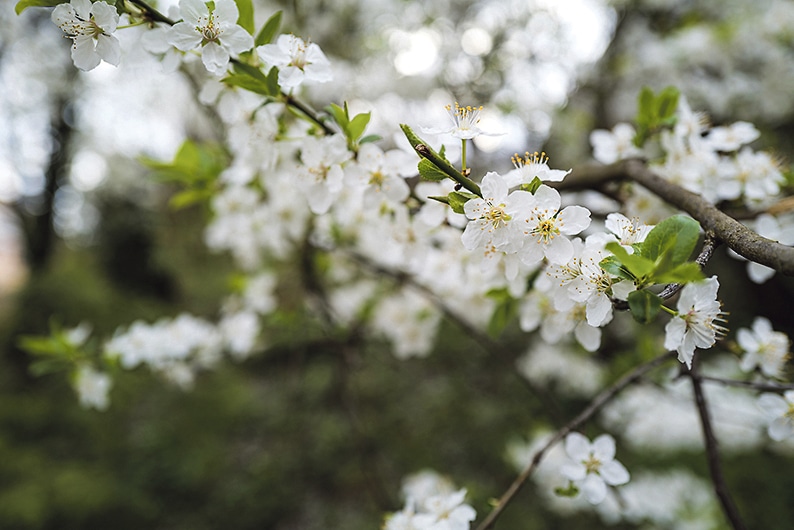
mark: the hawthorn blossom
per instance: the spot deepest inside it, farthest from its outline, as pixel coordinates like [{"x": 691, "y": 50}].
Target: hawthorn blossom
[
  {"x": 694, "y": 325},
  {"x": 530, "y": 166},
  {"x": 495, "y": 220},
  {"x": 627, "y": 231},
  {"x": 464, "y": 123},
  {"x": 446, "y": 512},
  {"x": 321, "y": 176},
  {"x": 780, "y": 412},
  {"x": 215, "y": 32},
  {"x": 92, "y": 387},
  {"x": 547, "y": 225},
  {"x": 614, "y": 145},
  {"x": 765, "y": 348},
  {"x": 90, "y": 26},
  {"x": 594, "y": 466},
  {"x": 297, "y": 61}
]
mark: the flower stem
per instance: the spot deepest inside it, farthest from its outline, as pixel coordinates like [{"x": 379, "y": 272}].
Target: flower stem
[{"x": 463, "y": 155}]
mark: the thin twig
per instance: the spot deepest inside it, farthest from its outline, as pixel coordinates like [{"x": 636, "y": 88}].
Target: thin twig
[
  {"x": 712, "y": 455},
  {"x": 752, "y": 385},
  {"x": 595, "y": 405}
]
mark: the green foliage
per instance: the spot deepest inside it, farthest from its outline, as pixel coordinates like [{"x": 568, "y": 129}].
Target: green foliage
[
  {"x": 353, "y": 128},
  {"x": 195, "y": 167},
  {"x": 457, "y": 200},
  {"x": 661, "y": 258},
  {"x": 269, "y": 29},
  {"x": 54, "y": 353},
  {"x": 505, "y": 311},
  {"x": 570, "y": 491},
  {"x": 252, "y": 79},
  {"x": 24, "y": 4},
  {"x": 644, "y": 305},
  {"x": 655, "y": 112},
  {"x": 246, "y": 16},
  {"x": 429, "y": 171},
  {"x": 533, "y": 186}
]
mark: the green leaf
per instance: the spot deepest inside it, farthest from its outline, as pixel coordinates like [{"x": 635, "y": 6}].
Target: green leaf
[
  {"x": 613, "y": 266},
  {"x": 247, "y": 83},
  {"x": 272, "y": 82},
  {"x": 505, "y": 311},
  {"x": 644, "y": 305},
  {"x": 189, "y": 197},
  {"x": 339, "y": 114},
  {"x": 370, "y": 138},
  {"x": 429, "y": 171},
  {"x": 677, "y": 235},
  {"x": 457, "y": 200},
  {"x": 269, "y": 29},
  {"x": 570, "y": 491},
  {"x": 246, "y": 17},
  {"x": 635, "y": 264},
  {"x": 24, "y": 4},
  {"x": 684, "y": 273},
  {"x": 357, "y": 125},
  {"x": 440, "y": 198},
  {"x": 667, "y": 103},
  {"x": 533, "y": 186}
]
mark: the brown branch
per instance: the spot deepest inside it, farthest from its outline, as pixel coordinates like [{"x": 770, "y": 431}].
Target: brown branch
[
  {"x": 712, "y": 455},
  {"x": 725, "y": 228},
  {"x": 595, "y": 405}
]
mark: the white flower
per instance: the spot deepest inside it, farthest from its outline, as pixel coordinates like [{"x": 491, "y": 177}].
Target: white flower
[
  {"x": 694, "y": 325},
  {"x": 446, "y": 512},
  {"x": 465, "y": 120},
  {"x": 380, "y": 175},
  {"x": 530, "y": 166},
  {"x": 90, "y": 27},
  {"x": 297, "y": 61},
  {"x": 731, "y": 137},
  {"x": 780, "y": 410},
  {"x": 764, "y": 348},
  {"x": 628, "y": 231},
  {"x": 594, "y": 465},
  {"x": 547, "y": 226},
  {"x": 495, "y": 219},
  {"x": 614, "y": 145},
  {"x": 216, "y": 32},
  {"x": 321, "y": 176},
  {"x": 92, "y": 387},
  {"x": 593, "y": 286}
]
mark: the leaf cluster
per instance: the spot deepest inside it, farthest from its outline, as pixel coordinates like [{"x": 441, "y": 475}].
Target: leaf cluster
[
  {"x": 655, "y": 112},
  {"x": 662, "y": 258},
  {"x": 353, "y": 128}
]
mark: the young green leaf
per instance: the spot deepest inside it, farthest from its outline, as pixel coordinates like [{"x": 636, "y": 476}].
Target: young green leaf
[
  {"x": 684, "y": 273},
  {"x": 24, "y": 4},
  {"x": 644, "y": 305},
  {"x": 636, "y": 265},
  {"x": 613, "y": 266},
  {"x": 429, "y": 171},
  {"x": 677, "y": 235},
  {"x": 269, "y": 29},
  {"x": 246, "y": 16},
  {"x": 457, "y": 200},
  {"x": 357, "y": 125}
]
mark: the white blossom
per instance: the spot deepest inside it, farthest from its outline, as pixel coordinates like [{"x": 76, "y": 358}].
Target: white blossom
[
  {"x": 91, "y": 27},
  {"x": 215, "y": 32},
  {"x": 779, "y": 410},
  {"x": 695, "y": 325},
  {"x": 297, "y": 61},
  {"x": 765, "y": 348},
  {"x": 92, "y": 387},
  {"x": 594, "y": 466}
]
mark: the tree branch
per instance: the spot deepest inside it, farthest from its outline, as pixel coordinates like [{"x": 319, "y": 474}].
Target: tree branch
[
  {"x": 712, "y": 455},
  {"x": 595, "y": 405},
  {"x": 751, "y": 385},
  {"x": 725, "y": 228}
]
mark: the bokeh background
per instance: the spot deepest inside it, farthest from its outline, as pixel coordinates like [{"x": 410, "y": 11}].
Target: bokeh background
[{"x": 300, "y": 437}]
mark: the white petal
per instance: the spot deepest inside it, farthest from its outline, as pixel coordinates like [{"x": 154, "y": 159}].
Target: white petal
[
  {"x": 237, "y": 40},
  {"x": 82, "y": 8},
  {"x": 588, "y": 336},
  {"x": 614, "y": 473},
  {"x": 109, "y": 50},
  {"x": 559, "y": 250},
  {"x": 226, "y": 12},
  {"x": 273, "y": 55},
  {"x": 577, "y": 446},
  {"x": 105, "y": 16},
  {"x": 574, "y": 219},
  {"x": 290, "y": 77},
  {"x": 547, "y": 198},
  {"x": 183, "y": 36},
  {"x": 494, "y": 187},
  {"x": 780, "y": 429},
  {"x": 84, "y": 54},
  {"x": 215, "y": 58},
  {"x": 573, "y": 471},
  {"x": 193, "y": 11},
  {"x": 604, "y": 448},
  {"x": 594, "y": 489}
]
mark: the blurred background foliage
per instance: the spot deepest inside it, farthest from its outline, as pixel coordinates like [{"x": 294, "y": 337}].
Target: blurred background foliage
[{"x": 319, "y": 430}]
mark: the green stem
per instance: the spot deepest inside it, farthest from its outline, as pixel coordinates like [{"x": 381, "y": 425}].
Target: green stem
[
  {"x": 463, "y": 155},
  {"x": 670, "y": 311},
  {"x": 423, "y": 150},
  {"x": 151, "y": 13}
]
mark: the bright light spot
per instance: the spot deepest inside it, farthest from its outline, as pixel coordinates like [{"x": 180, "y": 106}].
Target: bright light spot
[
  {"x": 513, "y": 128},
  {"x": 476, "y": 41},
  {"x": 88, "y": 170},
  {"x": 587, "y": 26},
  {"x": 417, "y": 51}
]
